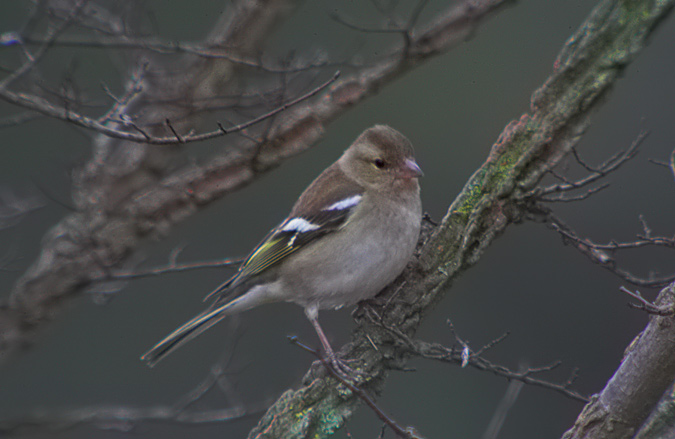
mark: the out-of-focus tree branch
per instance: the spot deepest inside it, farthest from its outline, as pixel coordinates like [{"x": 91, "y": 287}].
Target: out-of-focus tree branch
[
  {"x": 589, "y": 64},
  {"x": 107, "y": 227},
  {"x": 184, "y": 410}
]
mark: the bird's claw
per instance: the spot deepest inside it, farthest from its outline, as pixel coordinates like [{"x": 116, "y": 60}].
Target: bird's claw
[{"x": 342, "y": 369}]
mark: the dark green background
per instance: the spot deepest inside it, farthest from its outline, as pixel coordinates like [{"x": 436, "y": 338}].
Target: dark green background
[{"x": 556, "y": 304}]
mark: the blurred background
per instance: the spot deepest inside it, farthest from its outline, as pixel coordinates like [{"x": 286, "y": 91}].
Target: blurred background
[{"x": 554, "y": 302}]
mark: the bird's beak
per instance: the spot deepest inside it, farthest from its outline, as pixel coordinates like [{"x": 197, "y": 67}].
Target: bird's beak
[{"x": 411, "y": 169}]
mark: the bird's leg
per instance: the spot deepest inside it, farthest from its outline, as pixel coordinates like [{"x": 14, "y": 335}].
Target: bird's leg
[{"x": 338, "y": 365}]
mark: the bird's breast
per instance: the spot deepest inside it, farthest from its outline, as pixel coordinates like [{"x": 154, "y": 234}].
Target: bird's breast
[{"x": 356, "y": 262}]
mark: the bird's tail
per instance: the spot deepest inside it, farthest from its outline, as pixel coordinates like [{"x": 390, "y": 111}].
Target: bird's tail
[{"x": 186, "y": 332}]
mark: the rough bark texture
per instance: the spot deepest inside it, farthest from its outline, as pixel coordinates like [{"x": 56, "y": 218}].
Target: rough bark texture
[
  {"x": 661, "y": 423},
  {"x": 646, "y": 372}
]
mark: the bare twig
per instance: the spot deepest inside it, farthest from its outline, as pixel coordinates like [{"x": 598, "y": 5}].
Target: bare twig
[
  {"x": 41, "y": 105},
  {"x": 171, "y": 267},
  {"x": 435, "y": 351},
  {"x": 405, "y": 31},
  {"x": 133, "y": 88},
  {"x": 603, "y": 254},
  {"x": 167, "y": 47},
  {"x": 52, "y": 35},
  {"x": 646, "y": 305},
  {"x": 173, "y": 130},
  {"x": 368, "y": 30},
  {"x": 596, "y": 173},
  {"x": 563, "y": 197}
]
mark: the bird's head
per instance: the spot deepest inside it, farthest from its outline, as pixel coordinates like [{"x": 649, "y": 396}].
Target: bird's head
[{"x": 381, "y": 158}]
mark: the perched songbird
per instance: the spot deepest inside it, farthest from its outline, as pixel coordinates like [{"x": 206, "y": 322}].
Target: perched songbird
[{"x": 349, "y": 234}]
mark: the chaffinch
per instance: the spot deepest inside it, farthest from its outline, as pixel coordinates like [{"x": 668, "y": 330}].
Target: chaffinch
[{"x": 351, "y": 232}]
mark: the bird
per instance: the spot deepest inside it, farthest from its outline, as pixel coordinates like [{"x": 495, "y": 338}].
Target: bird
[{"x": 350, "y": 234}]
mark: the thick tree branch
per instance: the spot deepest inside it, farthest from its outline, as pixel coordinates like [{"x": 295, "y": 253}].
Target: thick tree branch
[
  {"x": 646, "y": 372},
  {"x": 661, "y": 422}
]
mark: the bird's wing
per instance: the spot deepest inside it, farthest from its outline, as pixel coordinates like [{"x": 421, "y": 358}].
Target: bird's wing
[{"x": 328, "y": 212}]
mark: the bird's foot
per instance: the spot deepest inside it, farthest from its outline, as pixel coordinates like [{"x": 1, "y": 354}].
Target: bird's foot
[{"x": 341, "y": 368}]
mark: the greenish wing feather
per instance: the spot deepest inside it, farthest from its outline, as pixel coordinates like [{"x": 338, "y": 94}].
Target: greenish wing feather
[
  {"x": 282, "y": 243},
  {"x": 270, "y": 252}
]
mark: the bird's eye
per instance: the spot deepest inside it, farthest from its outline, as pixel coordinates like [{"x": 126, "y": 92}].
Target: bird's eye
[{"x": 379, "y": 163}]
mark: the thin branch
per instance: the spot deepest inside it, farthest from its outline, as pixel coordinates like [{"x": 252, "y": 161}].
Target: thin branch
[
  {"x": 175, "y": 133},
  {"x": 438, "y": 352},
  {"x": 659, "y": 162},
  {"x": 563, "y": 197},
  {"x": 281, "y": 108},
  {"x": 405, "y": 32},
  {"x": 171, "y": 267},
  {"x": 42, "y": 106},
  {"x": 646, "y": 305},
  {"x": 52, "y": 35},
  {"x": 175, "y": 47},
  {"x": 134, "y": 87},
  {"x": 366, "y": 30},
  {"x": 415, "y": 15},
  {"x": 596, "y": 173},
  {"x": 603, "y": 254}
]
